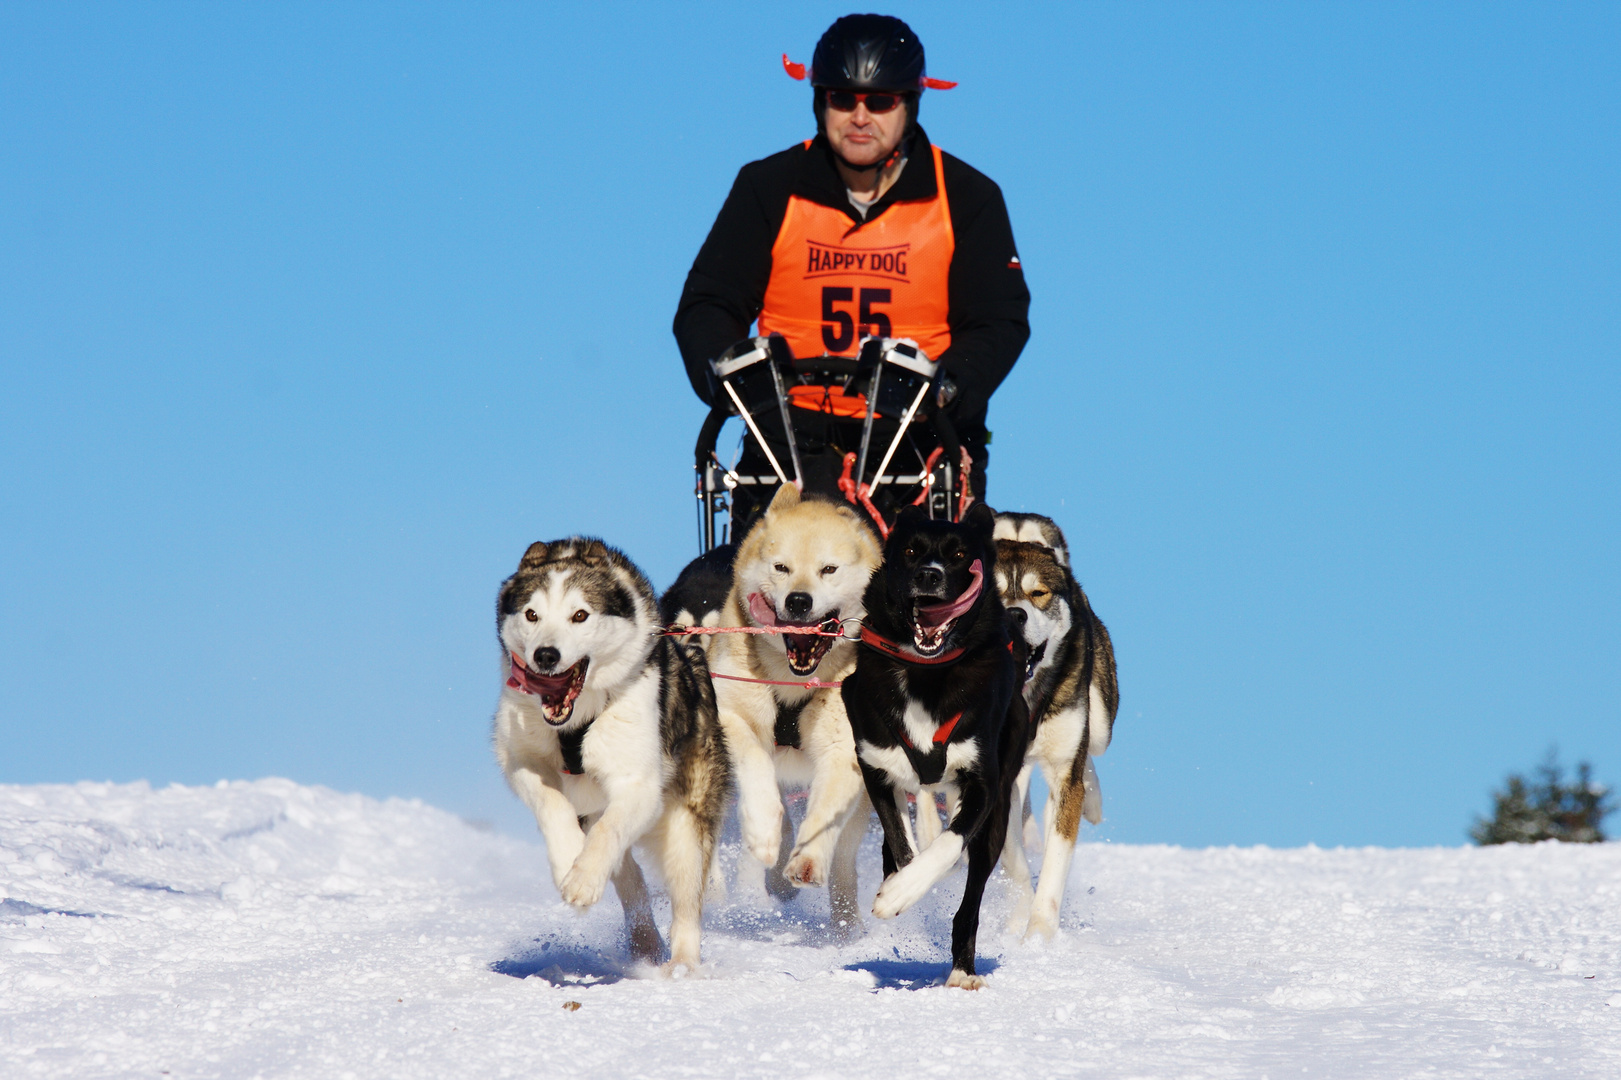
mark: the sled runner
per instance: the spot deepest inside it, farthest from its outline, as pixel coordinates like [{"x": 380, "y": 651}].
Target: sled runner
[{"x": 866, "y": 430}]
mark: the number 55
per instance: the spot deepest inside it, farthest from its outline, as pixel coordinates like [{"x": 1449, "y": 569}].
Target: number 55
[{"x": 839, "y": 329}]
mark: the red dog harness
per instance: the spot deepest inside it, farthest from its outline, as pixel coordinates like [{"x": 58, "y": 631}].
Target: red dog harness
[{"x": 941, "y": 733}]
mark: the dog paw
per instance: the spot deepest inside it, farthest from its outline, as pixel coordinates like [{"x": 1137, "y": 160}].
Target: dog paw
[
  {"x": 964, "y": 981},
  {"x": 646, "y": 947},
  {"x": 1018, "y": 920},
  {"x": 805, "y": 868},
  {"x": 680, "y": 969},
  {"x": 1043, "y": 922},
  {"x": 762, "y": 835},
  {"x": 583, "y": 888},
  {"x": 899, "y": 891},
  {"x": 845, "y": 929}
]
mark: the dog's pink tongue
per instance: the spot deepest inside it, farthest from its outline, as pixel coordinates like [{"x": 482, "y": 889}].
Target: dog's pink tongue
[
  {"x": 935, "y": 614},
  {"x": 762, "y": 611}
]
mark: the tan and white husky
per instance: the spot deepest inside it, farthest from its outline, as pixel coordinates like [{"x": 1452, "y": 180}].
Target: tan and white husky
[
  {"x": 804, "y": 564},
  {"x": 1073, "y": 695}
]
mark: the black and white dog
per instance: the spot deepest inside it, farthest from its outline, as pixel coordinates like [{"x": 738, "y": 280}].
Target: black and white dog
[{"x": 935, "y": 700}]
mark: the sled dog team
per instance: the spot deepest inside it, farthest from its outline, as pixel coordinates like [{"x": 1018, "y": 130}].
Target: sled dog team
[{"x": 949, "y": 661}]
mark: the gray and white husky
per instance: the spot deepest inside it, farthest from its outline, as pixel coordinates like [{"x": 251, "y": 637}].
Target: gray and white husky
[
  {"x": 1071, "y": 689},
  {"x": 606, "y": 724}
]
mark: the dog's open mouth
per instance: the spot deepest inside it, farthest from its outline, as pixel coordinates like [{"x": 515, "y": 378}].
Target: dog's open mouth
[
  {"x": 929, "y": 639},
  {"x": 557, "y": 693},
  {"x": 933, "y": 618},
  {"x": 1034, "y": 661},
  {"x": 805, "y": 651}
]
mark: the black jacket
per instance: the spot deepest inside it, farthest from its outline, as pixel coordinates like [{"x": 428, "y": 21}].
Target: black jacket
[{"x": 988, "y": 307}]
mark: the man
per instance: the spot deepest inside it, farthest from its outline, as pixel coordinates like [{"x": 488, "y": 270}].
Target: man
[{"x": 864, "y": 230}]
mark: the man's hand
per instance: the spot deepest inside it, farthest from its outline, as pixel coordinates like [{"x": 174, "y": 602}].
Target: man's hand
[{"x": 960, "y": 396}]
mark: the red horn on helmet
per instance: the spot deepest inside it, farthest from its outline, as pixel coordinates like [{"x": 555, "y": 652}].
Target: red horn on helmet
[
  {"x": 797, "y": 71},
  {"x": 932, "y": 84}
]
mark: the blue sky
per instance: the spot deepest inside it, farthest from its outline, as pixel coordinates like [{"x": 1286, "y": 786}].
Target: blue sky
[{"x": 312, "y": 318}]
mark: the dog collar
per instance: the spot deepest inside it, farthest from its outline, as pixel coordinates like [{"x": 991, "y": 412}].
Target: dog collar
[{"x": 877, "y": 642}]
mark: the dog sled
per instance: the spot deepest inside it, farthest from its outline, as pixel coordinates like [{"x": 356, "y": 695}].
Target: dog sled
[{"x": 866, "y": 430}]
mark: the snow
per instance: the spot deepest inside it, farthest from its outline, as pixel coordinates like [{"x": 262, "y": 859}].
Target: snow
[{"x": 273, "y": 929}]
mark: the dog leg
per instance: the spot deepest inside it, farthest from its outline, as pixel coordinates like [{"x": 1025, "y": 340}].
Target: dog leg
[
  {"x": 759, "y": 801},
  {"x": 965, "y": 925},
  {"x": 1032, "y": 823},
  {"x": 845, "y": 921},
  {"x": 776, "y": 881},
  {"x": 952, "y": 797},
  {"x": 715, "y": 891},
  {"x": 906, "y": 828},
  {"x": 747, "y": 717},
  {"x": 556, "y": 817},
  {"x": 1020, "y": 807},
  {"x": 834, "y": 788},
  {"x": 1062, "y": 829},
  {"x": 748, "y": 881},
  {"x": 645, "y": 945},
  {"x": 687, "y": 851},
  {"x": 1014, "y": 863},
  {"x": 928, "y": 817},
  {"x": 1092, "y": 808},
  {"x": 889, "y": 803},
  {"x": 632, "y": 809},
  {"x": 912, "y": 882}
]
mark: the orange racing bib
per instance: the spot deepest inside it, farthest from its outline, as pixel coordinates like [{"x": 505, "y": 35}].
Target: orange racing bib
[{"x": 834, "y": 281}]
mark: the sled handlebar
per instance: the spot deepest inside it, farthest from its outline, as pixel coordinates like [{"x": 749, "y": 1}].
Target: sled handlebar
[{"x": 817, "y": 367}]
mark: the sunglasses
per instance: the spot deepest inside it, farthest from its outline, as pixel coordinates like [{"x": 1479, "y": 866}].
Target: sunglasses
[{"x": 847, "y": 100}]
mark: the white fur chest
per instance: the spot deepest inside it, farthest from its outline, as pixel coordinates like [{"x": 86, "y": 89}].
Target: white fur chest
[
  {"x": 622, "y": 746},
  {"x": 1059, "y": 735},
  {"x": 920, "y": 729}
]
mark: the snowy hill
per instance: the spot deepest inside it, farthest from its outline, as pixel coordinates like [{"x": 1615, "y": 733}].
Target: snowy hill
[{"x": 272, "y": 929}]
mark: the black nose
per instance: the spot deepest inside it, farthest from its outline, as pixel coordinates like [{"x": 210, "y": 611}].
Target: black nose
[
  {"x": 1017, "y": 617},
  {"x": 798, "y": 605},
  {"x": 928, "y": 579},
  {"x": 546, "y": 658}
]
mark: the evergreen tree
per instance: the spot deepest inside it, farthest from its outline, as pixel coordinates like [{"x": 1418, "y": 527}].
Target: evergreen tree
[{"x": 1547, "y": 808}]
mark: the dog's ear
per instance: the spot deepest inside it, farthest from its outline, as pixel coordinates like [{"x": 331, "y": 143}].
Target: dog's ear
[
  {"x": 593, "y": 553},
  {"x": 871, "y": 546},
  {"x": 982, "y": 520},
  {"x": 910, "y": 517},
  {"x": 786, "y": 498},
  {"x": 534, "y": 558}
]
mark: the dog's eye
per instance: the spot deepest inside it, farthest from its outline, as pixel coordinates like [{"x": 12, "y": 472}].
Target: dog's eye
[
  {"x": 780, "y": 568},
  {"x": 580, "y": 616},
  {"x": 826, "y": 570},
  {"x": 1037, "y": 594},
  {"x": 529, "y": 613},
  {"x": 912, "y": 552}
]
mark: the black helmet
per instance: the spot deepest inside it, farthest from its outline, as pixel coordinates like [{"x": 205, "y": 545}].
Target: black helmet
[{"x": 868, "y": 52}]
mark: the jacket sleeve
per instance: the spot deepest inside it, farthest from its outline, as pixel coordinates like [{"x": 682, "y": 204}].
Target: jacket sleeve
[
  {"x": 726, "y": 285},
  {"x": 989, "y": 304}
]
